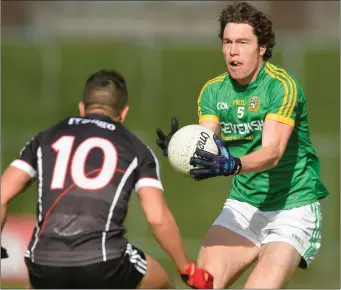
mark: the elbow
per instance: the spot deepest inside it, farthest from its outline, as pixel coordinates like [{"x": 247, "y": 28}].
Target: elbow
[
  {"x": 156, "y": 223},
  {"x": 275, "y": 157},
  {"x": 4, "y": 201},
  {"x": 275, "y": 162},
  {"x": 157, "y": 220}
]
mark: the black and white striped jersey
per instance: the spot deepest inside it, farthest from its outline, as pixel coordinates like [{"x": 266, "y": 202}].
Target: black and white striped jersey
[{"x": 86, "y": 169}]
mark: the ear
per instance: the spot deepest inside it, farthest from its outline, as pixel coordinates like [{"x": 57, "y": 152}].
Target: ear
[
  {"x": 262, "y": 50},
  {"x": 124, "y": 113},
  {"x": 81, "y": 108}
]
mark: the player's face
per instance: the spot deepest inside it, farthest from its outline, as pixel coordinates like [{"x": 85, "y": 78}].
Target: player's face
[{"x": 243, "y": 55}]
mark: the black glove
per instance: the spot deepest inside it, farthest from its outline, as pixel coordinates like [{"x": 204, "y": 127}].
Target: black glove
[
  {"x": 163, "y": 140},
  {"x": 4, "y": 254}
]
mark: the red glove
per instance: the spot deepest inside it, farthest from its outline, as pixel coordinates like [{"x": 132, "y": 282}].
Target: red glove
[{"x": 197, "y": 278}]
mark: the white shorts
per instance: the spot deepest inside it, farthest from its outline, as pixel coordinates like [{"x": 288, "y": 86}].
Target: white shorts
[{"x": 299, "y": 227}]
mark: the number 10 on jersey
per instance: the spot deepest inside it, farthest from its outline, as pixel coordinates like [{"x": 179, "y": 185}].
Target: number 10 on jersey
[{"x": 76, "y": 163}]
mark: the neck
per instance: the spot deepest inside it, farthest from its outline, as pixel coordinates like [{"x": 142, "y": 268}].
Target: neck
[{"x": 103, "y": 112}]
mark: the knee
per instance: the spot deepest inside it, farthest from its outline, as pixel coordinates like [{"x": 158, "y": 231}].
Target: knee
[{"x": 208, "y": 263}]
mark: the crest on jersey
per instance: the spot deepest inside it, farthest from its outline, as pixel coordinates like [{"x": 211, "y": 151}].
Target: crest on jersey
[{"x": 254, "y": 104}]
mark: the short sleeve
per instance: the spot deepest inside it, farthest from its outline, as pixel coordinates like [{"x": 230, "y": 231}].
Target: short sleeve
[
  {"x": 148, "y": 171},
  {"x": 206, "y": 101},
  {"x": 28, "y": 157},
  {"x": 283, "y": 101}
]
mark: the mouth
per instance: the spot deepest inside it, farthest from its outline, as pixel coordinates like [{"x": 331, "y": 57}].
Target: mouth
[{"x": 235, "y": 64}]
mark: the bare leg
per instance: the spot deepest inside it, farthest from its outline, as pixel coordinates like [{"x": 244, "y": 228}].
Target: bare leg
[
  {"x": 156, "y": 277},
  {"x": 226, "y": 255},
  {"x": 276, "y": 264}
]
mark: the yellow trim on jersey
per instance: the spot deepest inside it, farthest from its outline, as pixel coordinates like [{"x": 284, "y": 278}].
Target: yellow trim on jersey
[
  {"x": 219, "y": 78},
  {"x": 293, "y": 91},
  {"x": 280, "y": 118},
  {"x": 210, "y": 118},
  {"x": 282, "y": 76}
]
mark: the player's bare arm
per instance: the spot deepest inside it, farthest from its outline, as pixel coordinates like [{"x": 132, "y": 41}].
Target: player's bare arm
[
  {"x": 168, "y": 235},
  {"x": 163, "y": 225},
  {"x": 275, "y": 137},
  {"x": 214, "y": 127},
  {"x": 13, "y": 181}
]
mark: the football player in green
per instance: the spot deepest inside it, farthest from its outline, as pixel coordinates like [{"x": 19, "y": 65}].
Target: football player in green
[{"x": 259, "y": 112}]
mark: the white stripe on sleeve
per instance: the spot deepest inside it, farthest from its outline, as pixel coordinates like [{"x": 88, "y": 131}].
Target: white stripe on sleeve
[
  {"x": 147, "y": 181},
  {"x": 24, "y": 166}
]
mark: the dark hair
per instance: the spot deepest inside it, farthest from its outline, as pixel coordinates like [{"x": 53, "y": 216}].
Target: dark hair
[
  {"x": 107, "y": 90},
  {"x": 243, "y": 12}
]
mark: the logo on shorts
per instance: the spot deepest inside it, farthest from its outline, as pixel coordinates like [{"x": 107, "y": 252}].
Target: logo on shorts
[
  {"x": 135, "y": 258},
  {"x": 254, "y": 104},
  {"x": 298, "y": 239}
]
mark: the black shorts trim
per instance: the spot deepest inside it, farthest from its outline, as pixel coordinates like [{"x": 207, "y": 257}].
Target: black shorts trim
[{"x": 125, "y": 272}]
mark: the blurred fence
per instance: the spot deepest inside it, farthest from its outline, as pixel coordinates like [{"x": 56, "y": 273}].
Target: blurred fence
[{"x": 167, "y": 51}]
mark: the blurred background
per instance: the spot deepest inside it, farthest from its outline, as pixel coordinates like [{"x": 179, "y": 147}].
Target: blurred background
[{"x": 166, "y": 50}]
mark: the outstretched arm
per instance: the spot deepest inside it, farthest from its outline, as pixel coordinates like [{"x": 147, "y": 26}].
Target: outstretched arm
[
  {"x": 13, "y": 181},
  {"x": 163, "y": 225},
  {"x": 168, "y": 235}
]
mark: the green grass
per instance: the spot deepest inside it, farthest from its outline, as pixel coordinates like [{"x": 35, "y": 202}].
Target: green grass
[{"x": 166, "y": 81}]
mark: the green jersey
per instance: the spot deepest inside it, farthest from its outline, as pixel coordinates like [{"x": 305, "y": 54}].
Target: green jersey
[{"x": 241, "y": 112}]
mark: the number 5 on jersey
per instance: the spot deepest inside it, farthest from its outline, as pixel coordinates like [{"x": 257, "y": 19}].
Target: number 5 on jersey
[
  {"x": 240, "y": 112},
  {"x": 64, "y": 145}
]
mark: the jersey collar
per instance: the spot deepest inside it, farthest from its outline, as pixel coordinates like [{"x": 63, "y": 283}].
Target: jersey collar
[{"x": 99, "y": 117}]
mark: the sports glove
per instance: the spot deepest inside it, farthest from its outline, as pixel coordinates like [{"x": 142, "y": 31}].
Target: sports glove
[
  {"x": 163, "y": 140},
  {"x": 197, "y": 278},
  {"x": 219, "y": 164},
  {"x": 4, "y": 254}
]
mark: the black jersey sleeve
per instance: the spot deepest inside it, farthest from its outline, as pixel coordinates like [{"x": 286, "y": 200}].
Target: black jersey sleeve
[
  {"x": 148, "y": 170},
  {"x": 28, "y": 157}
]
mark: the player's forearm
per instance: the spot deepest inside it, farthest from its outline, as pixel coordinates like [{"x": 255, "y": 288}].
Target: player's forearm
[
  {"x": 168, "y": 235},
  {"x": 260, "y": 160},
  {"x": 3, "y": 215}
]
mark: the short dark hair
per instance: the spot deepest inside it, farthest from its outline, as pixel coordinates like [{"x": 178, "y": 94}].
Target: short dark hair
[
  {"x": 243, "y": 12},
  {"x": 106, "y": 89}
]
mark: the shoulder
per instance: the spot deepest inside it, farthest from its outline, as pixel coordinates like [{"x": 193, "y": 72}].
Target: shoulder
[
  {"x": 214, "y": 83},
  {"x": 143, "y": 151},
  {"x": 138, "y": 145},
  {"x": 55, "y": 129},
  {"x": 281, "y": 79}
]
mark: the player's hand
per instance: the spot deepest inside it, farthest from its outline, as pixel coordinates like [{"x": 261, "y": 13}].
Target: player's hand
[
  {"x": 4, "y": 254},
  {"x": 197, "y": 278},
  {"x": 163, "y": 140},
  {"x": 219, "y": 164}
]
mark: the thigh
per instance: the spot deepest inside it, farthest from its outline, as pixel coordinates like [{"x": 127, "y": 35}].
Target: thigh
[
  {"x": 299, "y": 227},
  {"x": 276, "y": 263},
  {"x": 226, "y": 254},
  {"x": 156, "y": 277},
  {"x": 233, "y": 242},
  {"x": 47, "y": 277}
]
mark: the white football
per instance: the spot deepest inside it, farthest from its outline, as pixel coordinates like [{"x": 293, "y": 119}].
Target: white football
[{"x": 183, "y": 144}]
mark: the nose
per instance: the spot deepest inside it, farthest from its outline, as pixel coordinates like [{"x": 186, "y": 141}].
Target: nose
[{"x": 234, "y": 49}]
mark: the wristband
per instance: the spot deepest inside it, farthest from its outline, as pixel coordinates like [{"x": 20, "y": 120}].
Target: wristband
[{"x": 237, "y": 165}]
